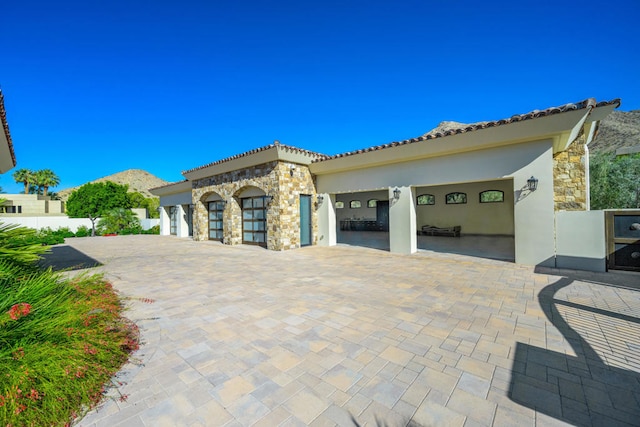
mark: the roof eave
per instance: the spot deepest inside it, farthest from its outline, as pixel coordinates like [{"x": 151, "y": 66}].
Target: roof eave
[
  {"x": 557, "y": 127},
  {"x": 7, "y": 154},
  {"x": 258, "y": 157},
  {"x": 173, "y": 188}
]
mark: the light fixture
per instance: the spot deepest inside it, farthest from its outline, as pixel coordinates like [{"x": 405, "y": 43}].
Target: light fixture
[
  {"x": 396, "y": 193},
  {"x": 532, "y": 183},
  {"x": 268, "y": 199},
  {"x": 320, "y": 199},
  {"x": 292, "y": 170}
]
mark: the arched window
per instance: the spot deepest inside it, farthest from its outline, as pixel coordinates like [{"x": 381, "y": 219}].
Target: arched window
[
  {"x": 456, "y": 198},
  {"x": 426, "y": 199},
  {"x": 372, "y": 203},
  {"x": 339, "y": 205},
  {"x": 355, "y": 204},
  {"x": 492, "y": 196}
]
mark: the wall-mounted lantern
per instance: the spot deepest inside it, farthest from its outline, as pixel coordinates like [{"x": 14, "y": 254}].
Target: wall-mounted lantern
[
  {"x": 396, "y": 193},
  {"x": 532, "y": 183}
]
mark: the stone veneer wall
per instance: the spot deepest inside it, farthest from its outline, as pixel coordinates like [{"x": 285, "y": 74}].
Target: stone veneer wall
[
  {"x": 570, "y": 177},
  {"x": 282, "y": 180}
]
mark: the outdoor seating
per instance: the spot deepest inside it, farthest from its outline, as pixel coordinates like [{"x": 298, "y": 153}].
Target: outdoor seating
[{"x": 432, "y": 230}]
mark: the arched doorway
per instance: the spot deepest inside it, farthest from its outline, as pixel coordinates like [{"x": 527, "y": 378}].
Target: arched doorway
[
  {"x": 215, "y": 207},
  {"x": 253, "y": 203}
]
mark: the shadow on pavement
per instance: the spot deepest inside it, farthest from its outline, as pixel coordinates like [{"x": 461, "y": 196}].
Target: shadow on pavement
[
  {"x": 67, "y": 258},
  {"x": 582, "y": 390}
]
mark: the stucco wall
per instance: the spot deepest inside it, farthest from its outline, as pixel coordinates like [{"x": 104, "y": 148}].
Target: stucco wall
[
  {"x": 581, "y": 241},
  {"x": 363, "y": 212},
  {"x": 474, "y": 217},
  {"x": 176, "y": 199},
  {"x": 55, "y": 222},
  {"x": 533, "y": 213}
]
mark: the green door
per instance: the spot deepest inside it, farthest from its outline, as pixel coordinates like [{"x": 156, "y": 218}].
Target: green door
[{"x": 305, "y": 220}]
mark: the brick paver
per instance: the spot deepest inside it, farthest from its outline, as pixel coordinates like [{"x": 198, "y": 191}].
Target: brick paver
[{"x": 240, "y": 336}]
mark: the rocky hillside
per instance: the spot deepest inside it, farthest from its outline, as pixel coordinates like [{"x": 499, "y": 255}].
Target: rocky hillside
[
  {"x": 620, "y": 129},
  {"x": 137, "y": 180}
]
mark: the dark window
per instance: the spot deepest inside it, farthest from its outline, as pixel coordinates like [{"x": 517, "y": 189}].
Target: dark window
[
  {"x": 216, "y": 210},
  {"x": 492, "y": 196},
  {"x": 339, "y": 205},
  {"x": 254, "y": 221},
  {"x": 355, "y": 204},
  {"x": 456, "y": 198},
  {"x": 372, "y": 203},
  {"x": 426, "y": 199}
]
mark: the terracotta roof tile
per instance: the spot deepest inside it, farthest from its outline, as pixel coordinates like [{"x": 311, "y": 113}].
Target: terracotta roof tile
[
  {"x": 5, "y": 126},
  {"x": 257, "y": 150},
  {"x": 587, "y": 103}
]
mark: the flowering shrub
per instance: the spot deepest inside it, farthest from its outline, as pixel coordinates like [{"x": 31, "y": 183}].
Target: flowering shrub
[
  {"x": 19, "y": 310},
  {"x": 61, "y": 348}
]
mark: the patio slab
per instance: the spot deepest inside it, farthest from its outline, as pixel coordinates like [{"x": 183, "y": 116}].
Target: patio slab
[{"x": 240, "y": 336}]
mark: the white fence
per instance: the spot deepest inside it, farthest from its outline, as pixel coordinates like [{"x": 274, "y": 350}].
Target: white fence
[{"x": 55, "y": 222}]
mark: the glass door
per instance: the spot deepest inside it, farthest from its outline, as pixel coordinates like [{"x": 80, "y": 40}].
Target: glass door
[
  {"x": 305, "y": 220},
  {"x": 216, "y": 210},
  {"x": 173, "y": 220},
  {"x": 254, "y": 221}
]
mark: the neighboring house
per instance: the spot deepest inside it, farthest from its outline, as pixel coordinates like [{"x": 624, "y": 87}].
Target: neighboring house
[
  {"x": 501, "y": 178},
  {"x": 30, "y": 205},
  {"x": 7, "y": 155}
]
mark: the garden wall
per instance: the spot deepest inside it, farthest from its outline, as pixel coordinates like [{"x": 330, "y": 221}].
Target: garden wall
[{"x": 55, "y": 222}]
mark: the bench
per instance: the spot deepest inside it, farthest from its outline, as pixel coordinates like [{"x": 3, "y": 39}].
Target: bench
[{"x": 432, "y": 230}]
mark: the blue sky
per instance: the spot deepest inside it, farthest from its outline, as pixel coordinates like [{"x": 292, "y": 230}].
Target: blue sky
[{"x": 94, "y": 88}]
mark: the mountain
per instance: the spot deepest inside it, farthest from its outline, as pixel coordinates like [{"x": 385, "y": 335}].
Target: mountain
[
  {"x": 621, "y": 129},
  {"x": 137, "y": 180}
]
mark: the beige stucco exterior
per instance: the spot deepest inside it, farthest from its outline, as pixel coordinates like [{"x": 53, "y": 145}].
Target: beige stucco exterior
[
  {"x": 503, "y": 155},
  {"x": 30, "y": 205}
]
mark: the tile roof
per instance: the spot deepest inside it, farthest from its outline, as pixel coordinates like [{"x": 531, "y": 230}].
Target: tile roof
[
  {"x": 5, "y": 126},
  {"x": 257, "y": 150},
  {"x": 436, "y": 133}
]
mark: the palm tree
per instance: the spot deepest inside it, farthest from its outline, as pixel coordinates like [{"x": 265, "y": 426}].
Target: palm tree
[
  {"x": 25, "y": 176},
  {"x": 46, "y": 178}
]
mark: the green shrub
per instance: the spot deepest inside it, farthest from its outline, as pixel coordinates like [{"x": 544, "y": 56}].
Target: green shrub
[
  {"x": 61, "y": 340},
  {"x": 83, "y": 231},
  {"x": 65, "y": 232},
  {"x": 20, "y": 244},
  {"x": 48, "y": 237},
  {"x": 117, "y": 221},
  {"x": 153, "y": 230}
]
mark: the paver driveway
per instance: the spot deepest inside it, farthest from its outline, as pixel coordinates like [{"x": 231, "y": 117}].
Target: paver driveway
[{"x": 240, "y": 336}]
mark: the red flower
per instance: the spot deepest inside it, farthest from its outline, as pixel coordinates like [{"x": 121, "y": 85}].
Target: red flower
[{"x": 19, "y": 310}]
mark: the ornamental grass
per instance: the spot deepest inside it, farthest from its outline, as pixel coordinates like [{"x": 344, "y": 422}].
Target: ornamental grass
[{"x": 61, "y": 342}]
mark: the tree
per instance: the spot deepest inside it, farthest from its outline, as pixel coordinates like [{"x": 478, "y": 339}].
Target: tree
[
  {"x": 93, "y": 200},
  {"x": 24, "y": 176},
  {"x": 151, "y": 204},
  {"x": 119, "y": 219},
  {"x": 615, "y": 181},
  {"x": 46, "y": 178}
]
